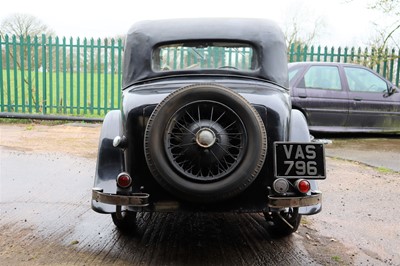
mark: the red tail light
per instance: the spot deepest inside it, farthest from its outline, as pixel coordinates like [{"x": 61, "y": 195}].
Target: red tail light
[
  {"x": 124, "y": 180},
  {"x": 303, "y": 185}
]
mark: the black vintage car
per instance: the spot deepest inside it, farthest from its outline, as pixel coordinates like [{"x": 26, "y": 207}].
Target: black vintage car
[{"x": 206, "y": 126}]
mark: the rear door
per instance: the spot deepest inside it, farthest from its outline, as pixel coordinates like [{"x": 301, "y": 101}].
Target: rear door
[
  {"x": 370, "y": 105},
  {"x": 326, "y": 102}
]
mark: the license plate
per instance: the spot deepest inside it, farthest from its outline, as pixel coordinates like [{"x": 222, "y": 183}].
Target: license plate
[{"x": 300, "y": 160}]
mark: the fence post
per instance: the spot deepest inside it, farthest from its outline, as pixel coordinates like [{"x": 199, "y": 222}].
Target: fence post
[
  {"x": 352, "y": 55},
  {"x": 339, "y": 54},
  {"x": 29, "y": 55},
  {"x": 319, "y": 53},
  {"x": 7, "y": 55},
  {"x": 36, "y": 66},
  {"x": 391, "y": 65},
  {"x": 92, "y": 76},
  {"x": 78, "y": 77},
  {"x": 98, "y": 76},
  {"x": 398, "y": 69},
  {"x": 85, "y": 76},
  {"x": 105, "y": 74},
  {"x": 14, "y": 55},
  {"x": 50, "y": 53},
  {"x": 385, "y": 59},
  {"x": 44, "y": 69},
  {"x": 312, "y": 53},
  {"x": 2, "y": 89},
  {"x": 291, "y": 52},
  {"x": 112, "y": 71},
  {"x": 22, "y": 71},
  {"x": 71, "y": 76},
  {"x": 57, "y": 50},
  {"x": 332, "y": 54},
  {"x": 119, "y": 72},
  {"x": 64, "y": 55}
]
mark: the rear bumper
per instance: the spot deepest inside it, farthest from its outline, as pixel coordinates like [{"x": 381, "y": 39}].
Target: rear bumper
[
  {"x": 303, "y": 201},
  {"x": 140, "y": 200},
  {"x": 134, "y": 199}
]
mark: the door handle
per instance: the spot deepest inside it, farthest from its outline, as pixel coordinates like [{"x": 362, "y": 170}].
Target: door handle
[
  {"x": 357, "y": 99},
  {"x": 301, "y": 95}
]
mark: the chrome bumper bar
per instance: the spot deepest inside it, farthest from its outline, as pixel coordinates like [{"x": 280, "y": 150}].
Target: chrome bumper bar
[
  {"x": 135, "y": 199},
  {"x": 285, "y": 202}
]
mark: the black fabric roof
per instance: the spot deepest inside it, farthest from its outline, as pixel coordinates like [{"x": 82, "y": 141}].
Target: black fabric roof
[{"x": 264, "y": 35}]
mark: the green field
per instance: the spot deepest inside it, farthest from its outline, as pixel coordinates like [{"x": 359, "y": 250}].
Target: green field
[{"x": 59, "y": 92}]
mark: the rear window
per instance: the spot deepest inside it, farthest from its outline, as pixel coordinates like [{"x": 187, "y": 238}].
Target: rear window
[{"x": 204, "y": 55}]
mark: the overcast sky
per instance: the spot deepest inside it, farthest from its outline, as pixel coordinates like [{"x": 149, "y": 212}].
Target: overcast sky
[{"x": 344, "y": 23}]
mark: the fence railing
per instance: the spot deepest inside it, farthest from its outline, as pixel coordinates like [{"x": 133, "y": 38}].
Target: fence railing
[
  {"x": 51, "y": 75},
  {"x": 64, "y": 76}
]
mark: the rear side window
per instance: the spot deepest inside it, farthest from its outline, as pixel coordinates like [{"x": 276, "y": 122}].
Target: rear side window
[
  {"x": 293, "y": 73},
  {"x": 362, "y": 80},
  {"x": 322, "y": 77},
  {"x": 204, "y": 55}
]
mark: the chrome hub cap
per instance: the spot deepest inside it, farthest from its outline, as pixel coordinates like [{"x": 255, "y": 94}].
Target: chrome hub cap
[{"x": 205, "y": 138}]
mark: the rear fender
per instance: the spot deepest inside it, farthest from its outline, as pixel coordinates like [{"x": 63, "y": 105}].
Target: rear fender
[
  {"x": 299, "y": 132},
  {"x": 110, "y": 160}
]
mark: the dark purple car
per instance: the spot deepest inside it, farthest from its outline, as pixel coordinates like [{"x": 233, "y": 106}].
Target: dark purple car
[{"x": 341, "y": 97}]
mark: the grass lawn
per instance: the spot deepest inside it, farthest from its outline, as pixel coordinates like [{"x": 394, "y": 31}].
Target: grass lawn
[{"x": 89, "y": 94}]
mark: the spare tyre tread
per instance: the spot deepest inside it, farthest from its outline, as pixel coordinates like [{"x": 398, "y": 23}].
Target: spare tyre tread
[{"x": 204, "y": 197}]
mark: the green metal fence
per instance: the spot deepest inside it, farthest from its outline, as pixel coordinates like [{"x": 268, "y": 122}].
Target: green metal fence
[
  {"x": 51, "y": 75},
  {"x": 64, "y": 76}
]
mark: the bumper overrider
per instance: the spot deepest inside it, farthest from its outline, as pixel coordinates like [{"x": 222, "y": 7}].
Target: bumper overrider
[
  {"x": 141, "y": 199},
  {"x": 134, "y": 199},
  {"x": 302, "y": 201}
]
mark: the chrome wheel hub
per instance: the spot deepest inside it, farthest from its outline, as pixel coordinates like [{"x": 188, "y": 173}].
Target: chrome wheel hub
[{"x": 205, "y": 138}]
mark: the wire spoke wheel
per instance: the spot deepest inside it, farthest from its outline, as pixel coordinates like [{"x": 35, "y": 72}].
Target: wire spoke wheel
[
  {"x": 197, "y": 143},
  {"x": 204, "y": 140}
]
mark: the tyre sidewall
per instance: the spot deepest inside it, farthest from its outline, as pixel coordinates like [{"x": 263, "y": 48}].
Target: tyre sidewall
[{"x": 245, "y": 172}]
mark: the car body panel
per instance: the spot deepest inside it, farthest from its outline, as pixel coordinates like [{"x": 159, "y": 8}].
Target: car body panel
[
  {"x": 110, "y": 161},
  {"x": 263, "y": 91},
  {"x": 348, "y": 109},
  {"x": 271, "y": 101}
]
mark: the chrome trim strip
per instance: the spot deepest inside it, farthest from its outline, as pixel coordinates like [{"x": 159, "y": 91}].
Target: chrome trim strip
[
  {"x": 135, "y": 199},
  {"x": 285, "y": 202}
]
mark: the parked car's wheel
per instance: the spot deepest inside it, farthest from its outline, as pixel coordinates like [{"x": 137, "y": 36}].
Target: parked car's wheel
[
  {"x": 205, "y": 143},
  {"x": 125, "y": 221},
  {"x": 278, "y": 227}
]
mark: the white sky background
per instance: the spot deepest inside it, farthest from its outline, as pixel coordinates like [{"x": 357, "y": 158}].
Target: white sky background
[{"x": 343, "y": 23}]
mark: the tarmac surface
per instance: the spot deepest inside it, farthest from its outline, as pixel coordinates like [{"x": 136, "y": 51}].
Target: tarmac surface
[{"x": 46, "y": 175}]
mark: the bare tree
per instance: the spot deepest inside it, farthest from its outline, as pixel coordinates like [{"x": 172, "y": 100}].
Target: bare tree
[
  {"x": 18, "y": 28},
  {"x": 24, "y": 25},
  {"x": 21, "y": 27},
  {"x": 388, "y": 34},
  {"x": 301, "y": 28},
  {"x": 298, "y": 34},
  {"x": 387, "y": 6}
]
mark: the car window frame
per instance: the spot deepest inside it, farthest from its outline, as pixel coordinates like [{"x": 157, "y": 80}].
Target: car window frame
[
  {"x": 368, "y": 71},
  {"x": 293, "y": 80},
  {"x": 304, "y": 73}
]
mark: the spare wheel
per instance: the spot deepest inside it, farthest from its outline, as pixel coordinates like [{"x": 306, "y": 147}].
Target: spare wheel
[{"x": 205, "y": 143}]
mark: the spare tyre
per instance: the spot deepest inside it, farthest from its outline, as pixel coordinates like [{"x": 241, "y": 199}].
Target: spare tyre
[{"x": 205, "y": 143}]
